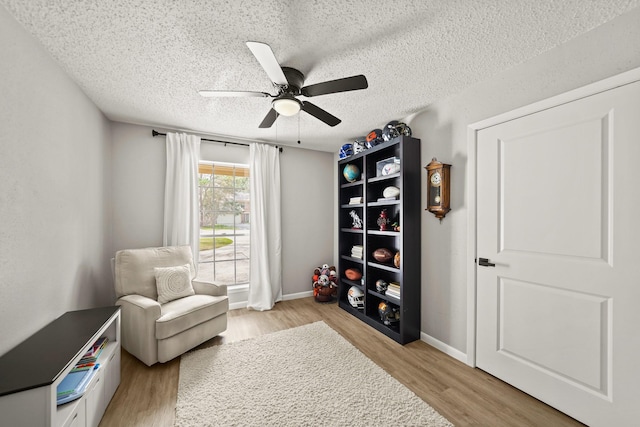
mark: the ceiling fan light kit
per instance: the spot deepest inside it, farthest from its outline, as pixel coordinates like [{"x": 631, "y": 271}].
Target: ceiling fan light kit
[
  {"x": 288, "y": 82},
  {"x": 286, "y": 105}
]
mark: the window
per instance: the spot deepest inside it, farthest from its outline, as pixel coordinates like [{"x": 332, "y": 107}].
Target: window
[{"x": 224, "y": 223}]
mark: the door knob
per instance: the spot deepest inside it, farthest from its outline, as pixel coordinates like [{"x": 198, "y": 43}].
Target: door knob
[{"x": 484, "y": 262}]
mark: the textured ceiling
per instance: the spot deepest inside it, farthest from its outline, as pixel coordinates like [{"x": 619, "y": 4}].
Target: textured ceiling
[{"x": 143, "y": 61}]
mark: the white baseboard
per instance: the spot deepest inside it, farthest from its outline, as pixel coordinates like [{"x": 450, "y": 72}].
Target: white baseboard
[
  {"x": 297, "y": 295},
  {"x": 243, "y": 304},
  {"x": 237, "y": 305},
  {"x": 445, "y": 348}
]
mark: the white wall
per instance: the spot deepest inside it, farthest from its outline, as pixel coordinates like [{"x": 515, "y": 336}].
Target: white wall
[
  {"x": 139, "y": 164},
  {"x": 54, "y": 191},
  {"x": 605, "y": 51},
  {"x": 307, "y": 208},
  {"x": 307, "y": 216}
]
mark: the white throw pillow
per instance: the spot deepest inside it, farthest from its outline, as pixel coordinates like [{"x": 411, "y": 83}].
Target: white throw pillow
[{"x": 173, "y": 283}]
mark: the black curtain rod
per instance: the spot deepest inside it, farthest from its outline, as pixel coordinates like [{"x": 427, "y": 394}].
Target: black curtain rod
[{"x": 156, "y": 133}]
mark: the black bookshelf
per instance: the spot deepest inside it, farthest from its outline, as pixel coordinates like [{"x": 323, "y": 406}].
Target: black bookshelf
[{"x": 406, "y": 211}]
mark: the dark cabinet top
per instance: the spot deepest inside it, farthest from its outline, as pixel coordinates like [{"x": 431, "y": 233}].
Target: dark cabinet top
[{"x": 40, "y": 359}]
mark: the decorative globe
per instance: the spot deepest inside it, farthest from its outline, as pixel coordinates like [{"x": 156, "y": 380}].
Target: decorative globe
[{"x": 351, "y": 172}]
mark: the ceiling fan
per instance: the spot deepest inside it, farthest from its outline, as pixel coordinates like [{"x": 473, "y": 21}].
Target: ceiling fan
[{"x": 288, "y": 83}]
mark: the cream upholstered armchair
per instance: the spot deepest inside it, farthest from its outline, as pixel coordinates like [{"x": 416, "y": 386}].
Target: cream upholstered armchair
[{"x": 164, "y": 311}]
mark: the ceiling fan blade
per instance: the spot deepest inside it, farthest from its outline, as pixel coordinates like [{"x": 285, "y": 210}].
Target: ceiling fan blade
[
  {"x": 267, "y": 59},
  {"x": 268, "y": 120},
  {"x": 320, "y": 114},
  {"x": 235, "y": 93},
  {"x": 333, "y": 86}
]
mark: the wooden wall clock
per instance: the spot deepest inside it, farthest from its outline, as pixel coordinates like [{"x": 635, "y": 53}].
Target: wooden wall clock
[{"x": 438, "y": 179}]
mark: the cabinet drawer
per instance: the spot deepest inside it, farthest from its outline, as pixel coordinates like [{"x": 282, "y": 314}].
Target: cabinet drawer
[
  {"x": 94, "y": 399},
  {"x": 111, "y": 376},
  {"x": 77, "y": 417}
]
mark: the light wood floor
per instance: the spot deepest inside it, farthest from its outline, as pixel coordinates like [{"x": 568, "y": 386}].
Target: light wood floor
[{"x": 465, "y": 396}]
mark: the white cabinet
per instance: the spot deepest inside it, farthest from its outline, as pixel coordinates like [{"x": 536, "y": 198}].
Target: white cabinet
[{"x": 28, "y": 397}]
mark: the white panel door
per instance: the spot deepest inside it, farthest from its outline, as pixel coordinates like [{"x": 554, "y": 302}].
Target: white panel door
[{"x": 558, "y": 213}]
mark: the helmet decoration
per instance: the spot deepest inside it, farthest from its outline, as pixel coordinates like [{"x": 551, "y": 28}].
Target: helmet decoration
[
  {"x": 388, "y": 314},
  {"x": 394, "y": 129},
  {"x": 345, "y": 151},
  {"x": 374, "y": 138},
  {"x": 356, "y": 297},
  {"x": 389, "y": 132},
  {"x": 359, "y": 145},
  {"x": 403, "y": 129},
  {"x": 381, "y": 286}
]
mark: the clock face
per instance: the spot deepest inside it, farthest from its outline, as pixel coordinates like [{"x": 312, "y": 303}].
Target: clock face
[{"x": 435, "y": 179}]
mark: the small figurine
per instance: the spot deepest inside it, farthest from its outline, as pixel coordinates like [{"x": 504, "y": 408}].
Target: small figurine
[
  {"x": 395, "y": 225},
  {"x": 383, "y": 220},
  {"x": 357, "y": 222}
]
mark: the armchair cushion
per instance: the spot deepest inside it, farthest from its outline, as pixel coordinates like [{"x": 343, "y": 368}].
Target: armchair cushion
[
  {"x": 184, "y": 313},
  {"x": 134, "y": 268},
  {"x": 173, "y": 283}
]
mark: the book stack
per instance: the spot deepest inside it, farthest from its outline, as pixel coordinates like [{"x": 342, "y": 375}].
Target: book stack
[
  {"x": 91, "y": 356},
  {"x": 357, "y": 251},
  {"x": 75, "y": 383},
  {"x": 393, "y": 290}
]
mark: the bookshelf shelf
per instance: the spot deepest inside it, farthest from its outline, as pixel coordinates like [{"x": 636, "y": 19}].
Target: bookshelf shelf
[
  {"x": 352, "y": 230},
  {"x": 352, "y": 259}
]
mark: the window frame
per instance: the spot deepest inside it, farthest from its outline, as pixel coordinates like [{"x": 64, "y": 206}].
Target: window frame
[{"x": 205, "y": 168}]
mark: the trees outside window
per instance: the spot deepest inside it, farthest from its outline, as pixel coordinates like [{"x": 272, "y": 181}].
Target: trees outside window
[{"x": 224, "y": 223}]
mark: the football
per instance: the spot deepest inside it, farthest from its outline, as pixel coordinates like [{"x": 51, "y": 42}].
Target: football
[
  {"x": 390, "y": 168},
  {"x": 353, "y": 274},
  {"x": 391, "y": 191},
  {"x": 382, "y": 255}
]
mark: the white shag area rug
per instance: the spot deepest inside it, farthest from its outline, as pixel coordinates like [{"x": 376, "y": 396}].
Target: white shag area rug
[{"x": 305, "y": 376}]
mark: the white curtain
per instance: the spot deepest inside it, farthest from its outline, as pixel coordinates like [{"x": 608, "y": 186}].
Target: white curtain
[
  {"x": 181, "y": 210},
  {"x": 265, "y": 285}
]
